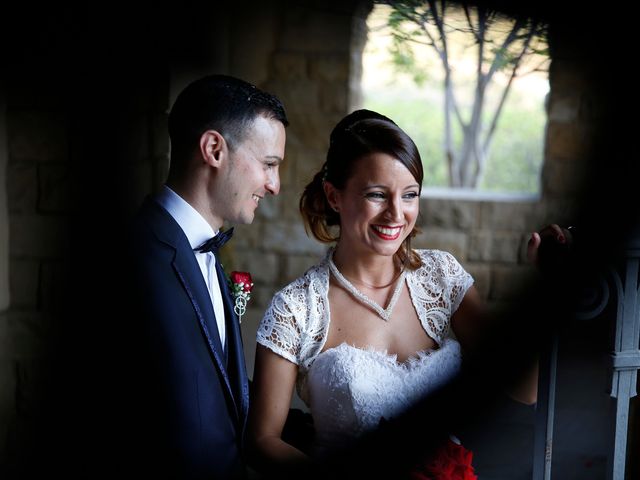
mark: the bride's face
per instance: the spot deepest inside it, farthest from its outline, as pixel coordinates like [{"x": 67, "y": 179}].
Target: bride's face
[{"x": 378, "y": 206}]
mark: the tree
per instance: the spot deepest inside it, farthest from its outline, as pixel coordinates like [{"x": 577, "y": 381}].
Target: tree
[{"x": 502, "y": 44}]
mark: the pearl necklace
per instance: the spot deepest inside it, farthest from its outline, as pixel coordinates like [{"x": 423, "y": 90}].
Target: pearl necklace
[{"x": 358, "y": 295}]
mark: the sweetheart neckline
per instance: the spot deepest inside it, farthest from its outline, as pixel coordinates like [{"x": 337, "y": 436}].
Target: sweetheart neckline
[{"x": 416, "y": 358}]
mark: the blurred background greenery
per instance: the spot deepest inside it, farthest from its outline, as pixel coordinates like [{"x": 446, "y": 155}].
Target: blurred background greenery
[{"x": 517, "y": 149}]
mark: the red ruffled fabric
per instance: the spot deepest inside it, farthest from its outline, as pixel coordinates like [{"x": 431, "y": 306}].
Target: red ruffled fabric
[{"x": 451, "y": 462}]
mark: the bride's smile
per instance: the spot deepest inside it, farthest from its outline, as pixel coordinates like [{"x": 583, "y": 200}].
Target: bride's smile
[{"x": 378, "y": 206}]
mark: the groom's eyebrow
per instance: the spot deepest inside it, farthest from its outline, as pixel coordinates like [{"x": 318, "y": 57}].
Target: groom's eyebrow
[{"x": 274, "y": 157}]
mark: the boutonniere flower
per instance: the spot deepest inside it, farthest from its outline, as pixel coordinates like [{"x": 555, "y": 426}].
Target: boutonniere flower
[{"x": 241, "y": 285}]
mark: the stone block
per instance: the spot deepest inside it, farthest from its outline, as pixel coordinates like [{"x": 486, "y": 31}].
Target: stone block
[
  {"x": 54, "y": 188},
  {"x": 247, "y": 236},
  {"x": 287, "y": 238},
  {"x": 307, "y": 132},
  {"x": 269, "y": 208},
  {"x": 480, "y": 246},
  {"x": 300, "y": 98},
  {"x": 448, "y": 213},
  {"x": 55, "y": 286},
  {"x": 37, "y": 136},
  {"x": 138, "y": 182},
  {"x": 505, "y": 247},
  {"x": 334, "y": 98},
  {"x": 569, "y": 141},
  {"x": 562, "y": 178},
  {"x": 510, "y": 283},
  {"x": 24, "y": 278},
  {"x": 453, "y": 242},
  {"x": 307, "y": 166},
  {"x": 7, "y": 400},
  {"x": 31, "y": 379},
  {"x": 567, "y": 76},
  {"x": 161, "y": 145},
  {"x": 318, "y": 30},
  {"x": 38, "y": 236},
  {"x": 333, "y": 69},
  {"x": 481, "y": 274},
  {"x": 264, "y": 267},
  {"x": 507, "y": 216},
  {"x": 290, "y": 66},
  {"x": 22, "y": 187},
  {"x": 23, "y": 335},
  {"x": 564, "y": 108},
  {"x": 296, "y": 265}
]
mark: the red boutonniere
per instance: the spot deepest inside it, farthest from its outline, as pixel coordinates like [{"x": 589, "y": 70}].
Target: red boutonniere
[
  {"x": 450, "y": 462},
  {"x": 241, "y": 285}
]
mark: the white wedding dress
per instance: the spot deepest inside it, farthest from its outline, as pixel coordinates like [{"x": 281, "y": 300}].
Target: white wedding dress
[{"x": 350, "y": 390}]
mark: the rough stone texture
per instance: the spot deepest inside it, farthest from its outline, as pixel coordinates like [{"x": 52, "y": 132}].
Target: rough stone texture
[
  {"x": 286, "y": 238},
  {"x": 23, "y": 283},
  {"x": 481, "y": 274},
  {"x": 448, "y": 240},
  {"x": 443, "y": 213},
  {"x": 298, "y": 264},
  {"x": 7, "y": 400},
  {"x": 37, "y": 135},
  {"x": 308, "y": 54},
  {"x": 507, "y": 283},
  {"x": 263, "y": 266},
  {"x": 508, "y": 216},
  {"x": 55, "y": 188},
  {"x": 22, "y": 196},
  {"x": 37, "y": 236},
  {"x": 54, "y": 278},
  {"x": 567, "y": 140}
]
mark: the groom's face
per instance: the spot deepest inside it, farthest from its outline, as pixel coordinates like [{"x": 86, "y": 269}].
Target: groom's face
[{"x": 253, "y": 170}]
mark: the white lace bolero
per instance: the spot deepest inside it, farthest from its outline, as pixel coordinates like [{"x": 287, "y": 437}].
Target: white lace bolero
[{"x": 296, "y": 324}]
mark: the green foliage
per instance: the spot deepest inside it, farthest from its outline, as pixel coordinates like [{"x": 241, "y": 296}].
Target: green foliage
[{"x": 516, "y": 153}]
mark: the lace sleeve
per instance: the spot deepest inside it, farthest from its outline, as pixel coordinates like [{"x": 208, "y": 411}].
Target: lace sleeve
[
  {"x": 437, "y": 289},
  {"x": 279, "y": 331},
  {"x": 458, "y": 279}
]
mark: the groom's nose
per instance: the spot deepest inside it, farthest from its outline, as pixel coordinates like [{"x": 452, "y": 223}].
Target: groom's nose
[{"x": 273, "y": 181}]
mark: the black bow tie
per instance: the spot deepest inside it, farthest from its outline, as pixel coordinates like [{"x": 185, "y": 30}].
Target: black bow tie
[{"x": 215, "y": 243}]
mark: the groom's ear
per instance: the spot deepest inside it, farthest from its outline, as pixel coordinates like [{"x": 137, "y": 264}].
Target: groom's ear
[{"x": 213, "y": 148}]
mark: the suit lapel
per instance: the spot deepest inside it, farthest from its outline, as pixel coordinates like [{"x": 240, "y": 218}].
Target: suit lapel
[
  {"x": 188, "y": 271},
  {"x": 235, "y": 350}
]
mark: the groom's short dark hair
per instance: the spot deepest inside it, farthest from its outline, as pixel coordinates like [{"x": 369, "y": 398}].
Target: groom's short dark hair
[{"x": 222, "y": 103}]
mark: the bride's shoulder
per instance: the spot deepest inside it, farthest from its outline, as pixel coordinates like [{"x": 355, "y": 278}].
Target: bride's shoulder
[
  {"x": 309, "y": 281},
  {"x": 433, "y": 256}
]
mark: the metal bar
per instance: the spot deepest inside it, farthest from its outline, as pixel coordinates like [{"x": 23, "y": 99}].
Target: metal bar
[{"x": 545, "y": 412}]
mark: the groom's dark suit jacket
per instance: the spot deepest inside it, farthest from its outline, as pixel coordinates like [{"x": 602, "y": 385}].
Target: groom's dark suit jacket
[{"x": 196, "y": 395}]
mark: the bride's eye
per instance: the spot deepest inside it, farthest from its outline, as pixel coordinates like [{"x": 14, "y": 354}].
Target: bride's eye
[
  {"x": 374, "y": 195},
  {"x": 410, "y": 195}
]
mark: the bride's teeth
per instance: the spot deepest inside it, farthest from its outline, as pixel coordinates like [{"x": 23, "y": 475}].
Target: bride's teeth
[{"x": 387, "y": 231}]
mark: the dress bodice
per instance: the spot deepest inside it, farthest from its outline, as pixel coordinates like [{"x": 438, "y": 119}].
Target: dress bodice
[
  {"x": 347, "y": 389},
  {"x": 351, "y": 390}
]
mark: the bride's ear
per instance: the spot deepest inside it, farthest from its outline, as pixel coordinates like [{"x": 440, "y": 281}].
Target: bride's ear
[
  {"x": 332, "y": 194},
  {"x": 213, "y": 148}
]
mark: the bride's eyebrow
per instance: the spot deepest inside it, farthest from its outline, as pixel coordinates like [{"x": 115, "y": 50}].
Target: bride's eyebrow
[{"x": 367, "y": 187}]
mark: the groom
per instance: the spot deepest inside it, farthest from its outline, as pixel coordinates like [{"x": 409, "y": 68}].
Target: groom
[{"x": 227, "y": 142}]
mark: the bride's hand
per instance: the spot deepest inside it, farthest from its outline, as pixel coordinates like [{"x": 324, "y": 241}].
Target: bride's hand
[{"x": 554, "y": 233}]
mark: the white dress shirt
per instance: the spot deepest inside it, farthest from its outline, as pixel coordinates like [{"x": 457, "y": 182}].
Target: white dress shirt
[{"x": 197, "y": 230}]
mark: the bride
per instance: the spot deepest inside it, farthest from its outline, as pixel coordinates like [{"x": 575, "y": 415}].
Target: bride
[{"x": 376, "y": 325}]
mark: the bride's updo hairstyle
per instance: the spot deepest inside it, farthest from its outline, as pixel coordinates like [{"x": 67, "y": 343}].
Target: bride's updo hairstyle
[{"x": 357, "y": 135}]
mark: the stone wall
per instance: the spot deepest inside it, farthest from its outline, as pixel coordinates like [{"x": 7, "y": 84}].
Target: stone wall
[{"x": 308, "y": 53}]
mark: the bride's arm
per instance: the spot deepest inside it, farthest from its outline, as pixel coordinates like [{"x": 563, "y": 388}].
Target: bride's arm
[
  {"x": 273, "y": 382},
  {"x": 473, "y": 326}
]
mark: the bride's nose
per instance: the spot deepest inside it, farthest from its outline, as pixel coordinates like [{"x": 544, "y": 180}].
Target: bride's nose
[{"x": 394, "y": 209}]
